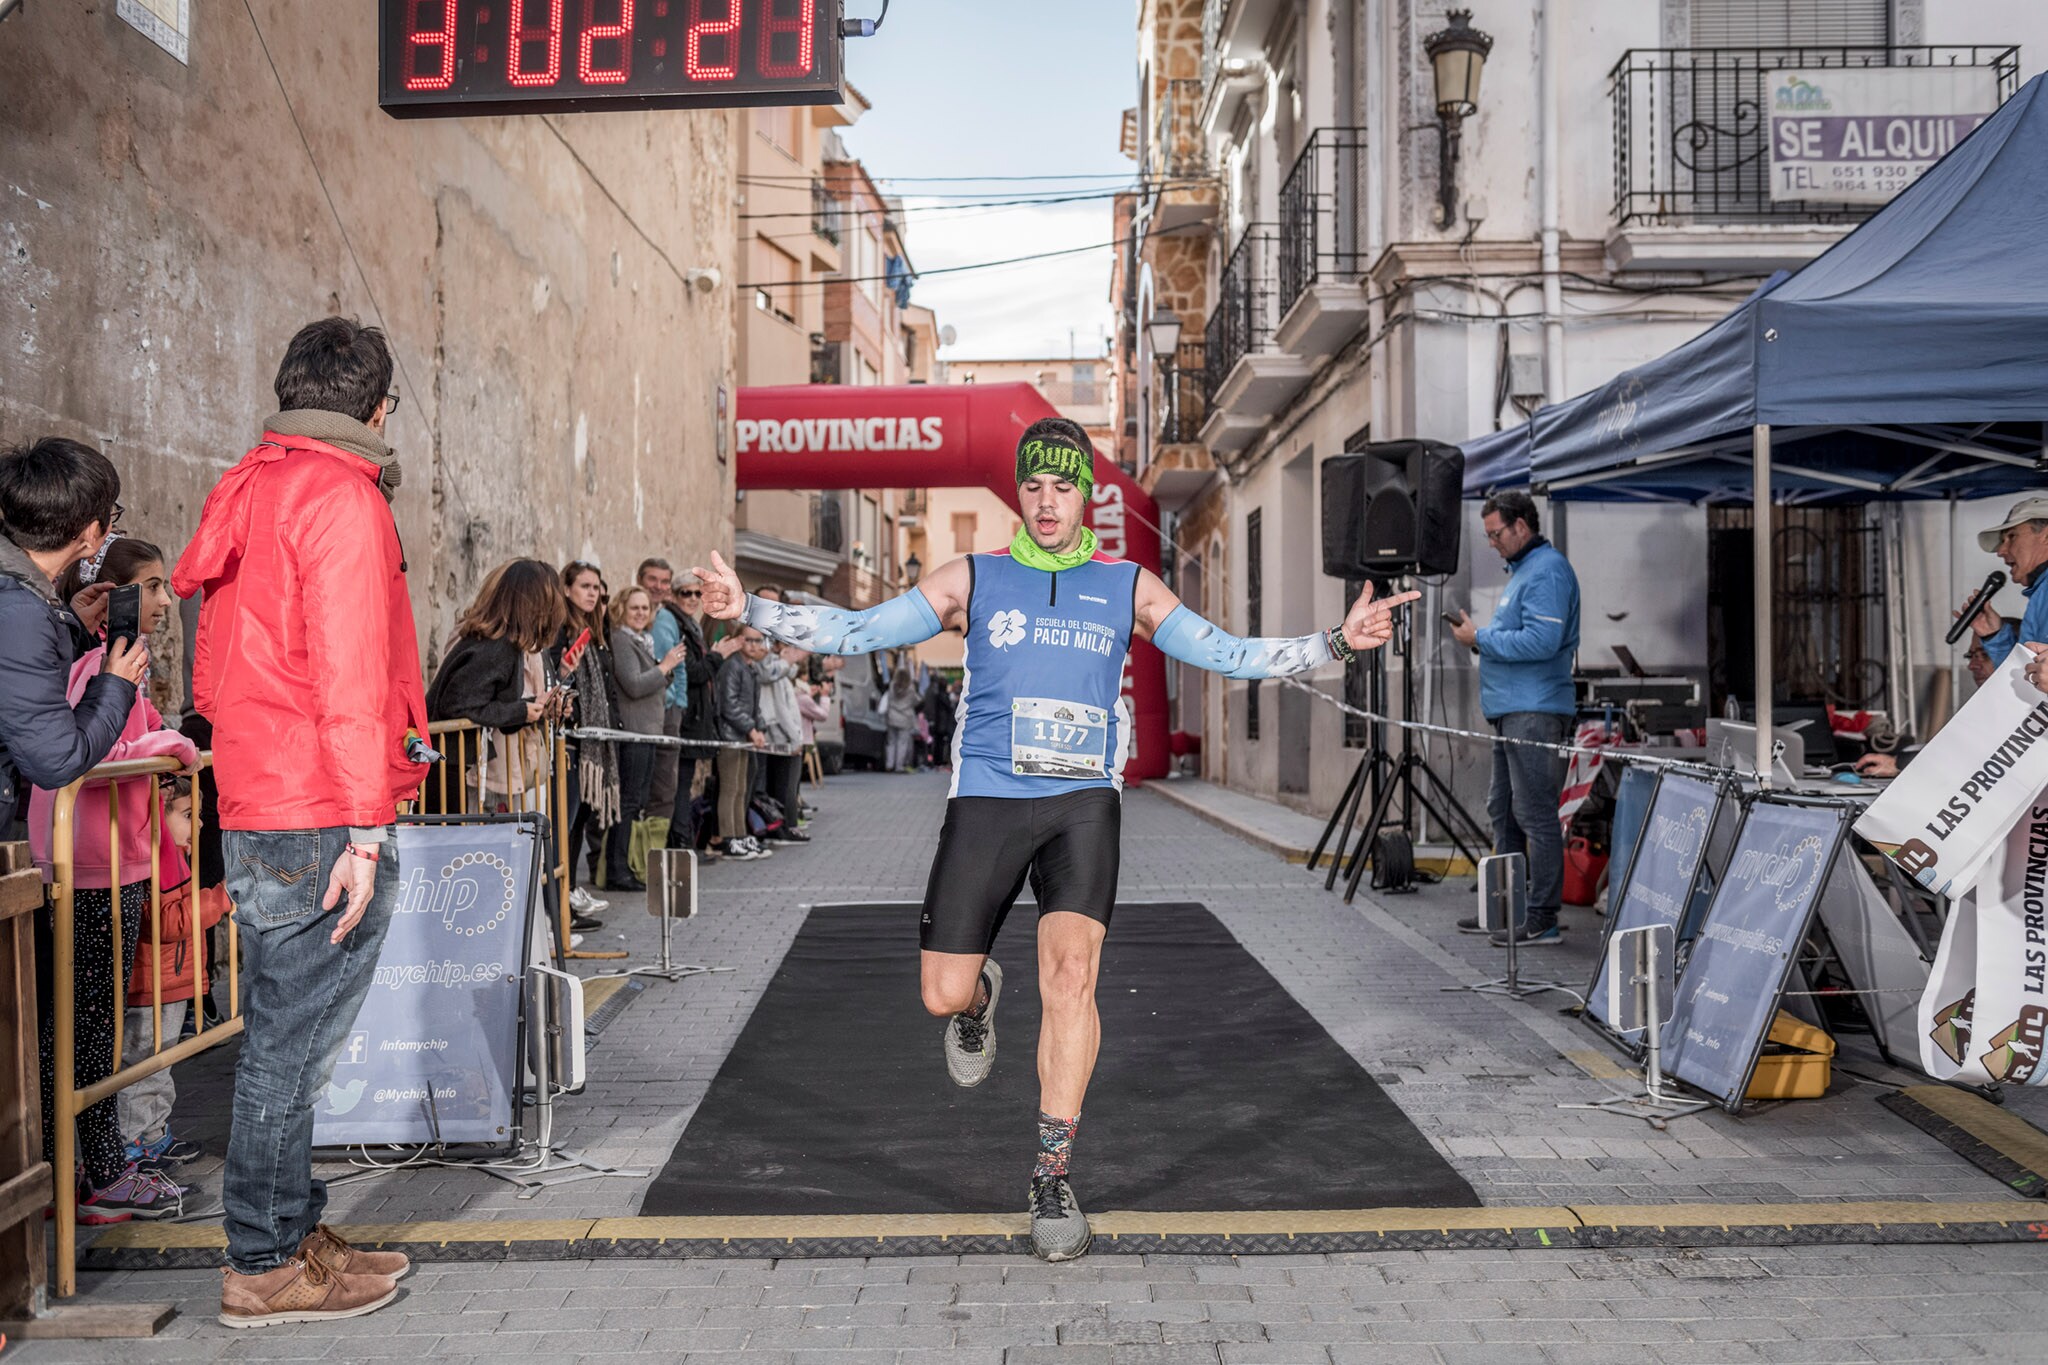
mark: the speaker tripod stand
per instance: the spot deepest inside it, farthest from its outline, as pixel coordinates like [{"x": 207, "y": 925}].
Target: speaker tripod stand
[{"x": 1389, "y": 773}]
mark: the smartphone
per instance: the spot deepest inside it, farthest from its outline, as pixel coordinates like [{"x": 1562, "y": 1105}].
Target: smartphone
[
  {"x": 574, "y": 653},
  {"x": 1451, "y": 619},
  {"x": 124, "y": 614}
]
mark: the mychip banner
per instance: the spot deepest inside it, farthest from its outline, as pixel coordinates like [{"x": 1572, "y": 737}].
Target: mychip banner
[
  {"x": 1663, "y": 867},
  {"x": 1859, "y": 135},
  {"x": 1951, "y": 808},
  {"x": 434, "y": 1054},
  {"x": 1984, "y": 1014},
  {"x": 1728, "y": 993}
]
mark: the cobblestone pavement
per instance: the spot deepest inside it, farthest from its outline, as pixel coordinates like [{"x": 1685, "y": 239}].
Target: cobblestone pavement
[{"x": 1481, "y": 1076}]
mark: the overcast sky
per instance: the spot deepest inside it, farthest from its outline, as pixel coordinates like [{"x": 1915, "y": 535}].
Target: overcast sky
[{"x": 982, "y": 88}]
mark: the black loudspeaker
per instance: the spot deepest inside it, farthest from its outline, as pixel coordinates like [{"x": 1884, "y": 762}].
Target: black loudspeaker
[{"x": 1393, "y": 508}]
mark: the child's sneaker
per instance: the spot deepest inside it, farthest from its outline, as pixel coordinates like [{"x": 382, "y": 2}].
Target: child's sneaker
[
  {"x": 139, "y": 1192},
  {"x": 94, "y": 1209},
  {"x": 166, "y": 1150}
]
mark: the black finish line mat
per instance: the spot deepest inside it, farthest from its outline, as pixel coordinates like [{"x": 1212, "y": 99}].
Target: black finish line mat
[
  {"x": 1994, "y": 1140},
  {"x": 1214, "y": 1089}
]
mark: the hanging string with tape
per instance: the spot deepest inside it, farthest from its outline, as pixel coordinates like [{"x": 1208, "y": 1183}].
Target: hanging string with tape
[{"x": 1565, "y": 749}]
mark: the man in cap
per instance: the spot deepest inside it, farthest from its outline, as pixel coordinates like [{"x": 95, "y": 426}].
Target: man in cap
[
  {"x": 1041, "y": 735},
  {"x": 2021, "y": 540}
]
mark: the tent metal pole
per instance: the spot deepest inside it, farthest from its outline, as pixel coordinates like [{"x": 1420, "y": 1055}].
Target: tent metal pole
[
  {"x": 1760, "y": 521},
  {"x": 1948, "y": 594}
]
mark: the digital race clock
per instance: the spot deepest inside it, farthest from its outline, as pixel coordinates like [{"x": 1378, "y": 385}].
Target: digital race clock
[{"x": 448, "y": 58}]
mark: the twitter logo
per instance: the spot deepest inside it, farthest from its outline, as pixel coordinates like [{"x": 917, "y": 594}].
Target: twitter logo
[{"x": 342, "y": 1098}]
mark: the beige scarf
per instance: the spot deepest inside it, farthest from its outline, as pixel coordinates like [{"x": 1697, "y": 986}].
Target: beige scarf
[{"x": 340, "y": 430}]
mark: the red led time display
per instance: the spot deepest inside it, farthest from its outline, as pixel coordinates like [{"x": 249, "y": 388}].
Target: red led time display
[{"x": 457, "y": 57}]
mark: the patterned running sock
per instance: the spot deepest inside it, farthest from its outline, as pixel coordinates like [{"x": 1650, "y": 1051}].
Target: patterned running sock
[
  {"x": 1055, "y": 1144},
  {"x": 980, "y": 1005}
]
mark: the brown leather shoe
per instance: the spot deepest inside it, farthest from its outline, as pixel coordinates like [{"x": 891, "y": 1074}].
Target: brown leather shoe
[
  {"x": 301, "y": 1290},
  {"x": 325, "y": 1244}
]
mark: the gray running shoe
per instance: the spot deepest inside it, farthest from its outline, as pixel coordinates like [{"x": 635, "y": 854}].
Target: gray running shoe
[
  {"x": 971, "y": 1043},
  {"x": 1059, "y": 1230}
]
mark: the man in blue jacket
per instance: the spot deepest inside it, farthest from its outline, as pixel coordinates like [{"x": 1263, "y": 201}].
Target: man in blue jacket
[
  {"x": 59, "y": 500},
  {"x": 1525, "y": 689}
]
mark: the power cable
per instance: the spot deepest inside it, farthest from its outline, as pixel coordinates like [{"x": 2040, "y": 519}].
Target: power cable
[
  {"x": 965, "y": 179},
  {"x": 926, "y": 209},
  {"x": 334, "y": 210},
  {"x": 940, "y": 270}
]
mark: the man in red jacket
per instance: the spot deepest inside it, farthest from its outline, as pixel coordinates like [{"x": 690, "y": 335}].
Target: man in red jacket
[{"x": 307, "y": 664}]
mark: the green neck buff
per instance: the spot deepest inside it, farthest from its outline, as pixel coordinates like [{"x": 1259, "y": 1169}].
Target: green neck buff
[{"x": 1026, "y": 551}]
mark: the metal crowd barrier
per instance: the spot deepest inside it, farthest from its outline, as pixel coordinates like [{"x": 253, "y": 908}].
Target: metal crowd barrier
[
  {"x": 69, "y": 1101},
  {"x": 461, "y": 741}
]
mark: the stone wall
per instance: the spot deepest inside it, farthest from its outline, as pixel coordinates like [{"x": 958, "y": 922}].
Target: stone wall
[{"x": 164, "y": 228}]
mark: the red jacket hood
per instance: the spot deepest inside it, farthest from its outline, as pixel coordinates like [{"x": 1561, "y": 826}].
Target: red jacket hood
[{"x": 224, "y": 522}]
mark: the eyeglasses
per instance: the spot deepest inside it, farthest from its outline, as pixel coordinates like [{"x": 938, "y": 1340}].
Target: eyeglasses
[
  {"x": 114, "y": 522},
  {"x": 689, "y": 592},
  {"x": 391, "y": 402}
]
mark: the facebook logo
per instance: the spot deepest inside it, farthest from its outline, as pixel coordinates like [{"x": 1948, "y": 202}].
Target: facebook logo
[{"x": 358, "y": 1049}]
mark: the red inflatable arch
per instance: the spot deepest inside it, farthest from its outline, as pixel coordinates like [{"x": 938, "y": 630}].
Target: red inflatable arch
[{"x": 948, "y": 436}]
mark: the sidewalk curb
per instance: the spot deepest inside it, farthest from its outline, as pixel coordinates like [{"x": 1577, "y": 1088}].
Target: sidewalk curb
[{"x": 1182, "y": 794}]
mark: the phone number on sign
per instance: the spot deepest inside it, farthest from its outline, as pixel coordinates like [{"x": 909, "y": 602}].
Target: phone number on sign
[{"x": 1865, "y": 177}]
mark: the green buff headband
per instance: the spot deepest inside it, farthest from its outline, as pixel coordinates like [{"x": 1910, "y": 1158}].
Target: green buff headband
[{"x": 1061, "y": 459}]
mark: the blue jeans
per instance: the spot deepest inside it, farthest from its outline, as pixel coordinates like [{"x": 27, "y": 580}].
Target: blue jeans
[
  {"x": 1522, "y": 804},
  {"x": 300, "y": 996}
]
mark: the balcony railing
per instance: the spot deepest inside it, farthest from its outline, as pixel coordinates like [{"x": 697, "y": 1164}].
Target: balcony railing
[
  {"x": 1212, "y": 41},
  {"x": 1177, "y": 151},
  {"x": 1246, "y": 311},
  {"x": 1690, "y": 127},
  {"x": 825, "y": 212},
  {"x": 1183, "y": 396},
  {"x": 1321, "y": 206}
]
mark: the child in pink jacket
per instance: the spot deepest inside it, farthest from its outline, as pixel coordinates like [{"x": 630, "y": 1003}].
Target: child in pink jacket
[{"x": 111, "y": 1188}]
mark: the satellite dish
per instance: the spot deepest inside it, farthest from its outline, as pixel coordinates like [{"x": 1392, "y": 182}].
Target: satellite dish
[{"x": 947, "y": 335}]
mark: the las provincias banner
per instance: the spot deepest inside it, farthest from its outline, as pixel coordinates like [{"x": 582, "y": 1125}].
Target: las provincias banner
[
  {"x": 1985, "y": 1010},
  {"x": 1970, "y": 814}
]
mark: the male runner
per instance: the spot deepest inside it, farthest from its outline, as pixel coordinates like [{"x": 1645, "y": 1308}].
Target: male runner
[{"x": 1038, "y": 756}]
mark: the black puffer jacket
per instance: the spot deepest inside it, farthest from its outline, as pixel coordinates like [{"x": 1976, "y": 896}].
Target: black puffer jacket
[{"x": 43, "y": 740}]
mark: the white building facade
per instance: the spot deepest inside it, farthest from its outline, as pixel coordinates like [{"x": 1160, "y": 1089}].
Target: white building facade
[{"x": 1608, "y": 200}]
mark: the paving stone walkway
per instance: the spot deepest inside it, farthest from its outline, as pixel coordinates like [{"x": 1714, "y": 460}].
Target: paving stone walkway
[{"x": 1481, "y": 1076}]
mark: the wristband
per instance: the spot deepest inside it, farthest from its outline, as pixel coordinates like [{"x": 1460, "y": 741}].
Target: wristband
[
  {"x": 1340, "y": 648},
  {"x": 369, "y": 853}
]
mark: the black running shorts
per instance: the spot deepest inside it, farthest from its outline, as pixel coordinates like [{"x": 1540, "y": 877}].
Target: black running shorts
[{"x": 1067, "y": 845}]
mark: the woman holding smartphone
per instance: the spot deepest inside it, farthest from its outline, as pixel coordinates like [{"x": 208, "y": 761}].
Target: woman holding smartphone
[
  {"x": 642, "y": 679},
  {"x": 113, "y": 1188},
  {"x": 593, "y": 804}
]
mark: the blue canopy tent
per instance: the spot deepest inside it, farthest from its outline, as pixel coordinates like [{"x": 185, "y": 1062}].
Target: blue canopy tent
[{"x": 1909, "y": 360}]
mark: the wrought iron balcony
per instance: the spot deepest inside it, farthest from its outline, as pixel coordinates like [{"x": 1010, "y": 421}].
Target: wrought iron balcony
[
  {"x": 1322, "y": 204},
  {"x": 1690, "y": 128},
  {"x": 825, "y": 212},
  {"x": 1177, "y": 151},
  {"x": 1247, "y": 308},
  {"x": 1183, "y": 396},
  {"x": 1212, "y": 34}
]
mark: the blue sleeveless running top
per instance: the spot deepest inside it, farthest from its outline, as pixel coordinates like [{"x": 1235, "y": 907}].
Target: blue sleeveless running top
[{"x": 1041, "y": 708}]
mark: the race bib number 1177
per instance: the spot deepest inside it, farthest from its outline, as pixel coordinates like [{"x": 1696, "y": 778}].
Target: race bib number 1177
[{"x": 1053, "y": 738}]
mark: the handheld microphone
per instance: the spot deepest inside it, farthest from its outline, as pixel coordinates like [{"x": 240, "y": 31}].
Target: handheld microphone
[{"x": 1977, "y": 604}]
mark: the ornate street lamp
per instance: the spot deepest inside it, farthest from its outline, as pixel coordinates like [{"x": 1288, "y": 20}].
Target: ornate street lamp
[
  {"x": 1164, "y": 329},
  {"x": 912, "y": 567},
  {"x": 1457, "y": 55}
]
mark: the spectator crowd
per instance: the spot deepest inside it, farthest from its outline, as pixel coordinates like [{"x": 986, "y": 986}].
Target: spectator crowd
[{"x": 308, "y": 689}]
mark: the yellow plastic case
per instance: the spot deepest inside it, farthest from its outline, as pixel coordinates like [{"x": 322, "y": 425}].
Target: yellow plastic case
[{"x": 1796, "y": 1062}]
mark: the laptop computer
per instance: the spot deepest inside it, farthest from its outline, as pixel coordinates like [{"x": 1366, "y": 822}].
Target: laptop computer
[{"x": 1732, "y": 744}]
